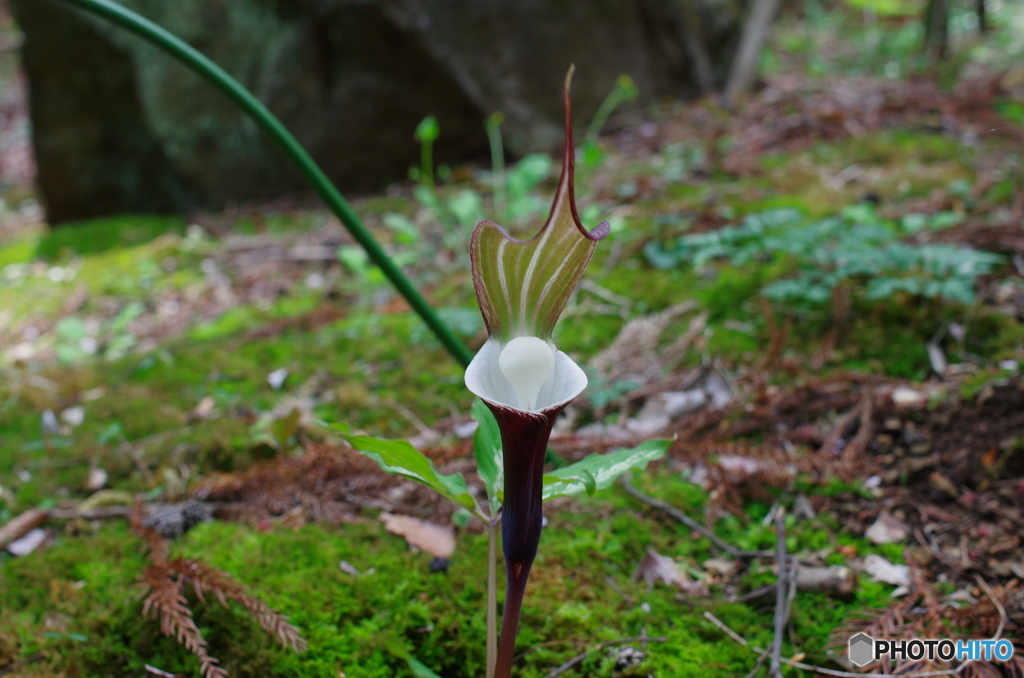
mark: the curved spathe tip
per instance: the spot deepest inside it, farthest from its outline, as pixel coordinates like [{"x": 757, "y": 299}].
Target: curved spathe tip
[
  {"x": 485, "y": 379},
  {"x": 567, "y": 182},
  {"x": 523, "y": 285}
]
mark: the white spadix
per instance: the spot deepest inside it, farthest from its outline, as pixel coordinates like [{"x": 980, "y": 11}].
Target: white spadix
[{"x": 527, "y": 362}]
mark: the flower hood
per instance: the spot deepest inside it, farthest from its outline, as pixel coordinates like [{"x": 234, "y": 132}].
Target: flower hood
[{"x": 522, "y": 287}]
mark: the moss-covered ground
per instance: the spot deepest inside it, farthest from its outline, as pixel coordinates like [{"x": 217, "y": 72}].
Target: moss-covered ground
[
  {"x": 78, "y": 599},
  {"x": 141, "y": 346}
]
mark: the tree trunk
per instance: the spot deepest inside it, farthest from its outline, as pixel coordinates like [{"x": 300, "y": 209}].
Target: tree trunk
[
  {"x": 936, "y": 29},
  {"x": 755, "y": 30}
]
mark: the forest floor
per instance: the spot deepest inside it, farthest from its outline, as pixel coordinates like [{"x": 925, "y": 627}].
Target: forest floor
[{"x": 818, "y": 294}]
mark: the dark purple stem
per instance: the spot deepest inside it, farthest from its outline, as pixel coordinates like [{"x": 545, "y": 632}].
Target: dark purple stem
[{"x": 524, "y": 439}]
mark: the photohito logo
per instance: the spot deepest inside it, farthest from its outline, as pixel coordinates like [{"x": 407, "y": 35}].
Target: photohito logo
[{"x": 864, "y": 649}]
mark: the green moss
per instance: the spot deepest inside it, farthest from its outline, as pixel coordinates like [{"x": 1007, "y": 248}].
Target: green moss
[
  {"x": 367, "y": 625},
  {"x": 17, "y": 251},
  {"x": 102, "y": 235}
]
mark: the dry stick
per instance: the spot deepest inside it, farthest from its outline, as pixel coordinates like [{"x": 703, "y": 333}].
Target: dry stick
[
  {"x": 775, "y": 668},
  {"x": 10, "y": 668},
  {"x": 621, "y": 641},
  {"x": 689, "y": 522},
  {"x": 758, "y": 665},
  {"x": 99, "y": 513},
  {"x": 409, "y": 416},
  {"x": 21, "y": 525},
  {"x": 794, "y": 576},
  {"x": 995, "y": 601},
  {"x": 820, "y": 669}
]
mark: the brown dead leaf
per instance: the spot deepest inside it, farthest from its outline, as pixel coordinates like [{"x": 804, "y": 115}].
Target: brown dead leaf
[
  {"x": 21, "y": 525},
  {"x": 437, "y": 540},
  {"x": 204, "y": 409},
  {"x": 656, "y": 568},
  {"x": 888, "y": 529}
]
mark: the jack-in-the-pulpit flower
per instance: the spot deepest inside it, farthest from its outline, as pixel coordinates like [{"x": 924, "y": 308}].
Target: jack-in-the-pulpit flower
[{"x": 522, "y": 287}]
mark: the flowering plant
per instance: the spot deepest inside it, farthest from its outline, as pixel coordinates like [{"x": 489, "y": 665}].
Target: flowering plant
[{"x": 523, "y": 382}]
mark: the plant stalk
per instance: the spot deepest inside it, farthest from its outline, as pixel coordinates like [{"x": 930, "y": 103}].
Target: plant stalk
[
  {"x": 524, "y": 438},
  {"x": 427, "y": 163},
  {"x": 498, "y": 165},
  {"x": 515, "y": 591},
  {"x": 492, "y": 596},
  {"x": 312, "y": 172}
]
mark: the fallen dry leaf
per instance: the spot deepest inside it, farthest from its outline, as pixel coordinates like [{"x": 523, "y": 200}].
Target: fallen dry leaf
[
  {"x": 21, "y": 525},
  {"x": 882, "y": 570},
  {"x": 96, "y": 479},
  {"x": 887, "y": 529},
  {"x": 656, "y": 568},
  {"x": 204, "y": 409},
  {"x": 28, "y": 543},
  {"x": 437, "y": 540}
]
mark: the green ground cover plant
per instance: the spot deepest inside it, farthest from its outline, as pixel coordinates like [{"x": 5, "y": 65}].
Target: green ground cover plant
[{"x": 855, "y": 250}]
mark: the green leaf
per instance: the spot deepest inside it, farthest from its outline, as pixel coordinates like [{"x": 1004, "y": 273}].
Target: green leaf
[
  {"x": 401, "y": 458},
  {"x": 589, "y": 481},
  {"x": 285, "y": 427},
  {"x": 406, "y": 232},
  {"x": 462, "y": 518},
  {"x": 466, "y": 207},
  {"x": 419, "y": 669},
  {"x": 428, "y": 130},
  {"x": 487, "y": 452},
  {"x": 354, "y": 258},
  {"x": 660, "y": 256},
  {"x": 598, "y": 471},
  {"x": 71, "y": 328}
]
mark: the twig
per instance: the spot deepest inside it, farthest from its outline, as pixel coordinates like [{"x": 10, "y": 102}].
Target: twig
[
  {"x": 549, "y": 643},
  {"x": 930, "y": 543},
  {"x": 820, "y": 669},
  {"x": 775, "y": 668},
  {"x": 995, "y": 601},
  {"x": 758, "y": 665},
  {"x": 410, "y": 416},
  {"x": 794, "y": 579},
  {"x": 752, "y": 595},
  {"x": 10, "y": 668},
  {"x": 606, "y": 294},
  {"x": 99, "y": 513},
  {"x": 21, "y": 525},
  {"x": 578, "y": 659},
  {"x": 689, "y": 522},
  {"x": 618, "y": 589},
  {"x": 729, "y": 632}
]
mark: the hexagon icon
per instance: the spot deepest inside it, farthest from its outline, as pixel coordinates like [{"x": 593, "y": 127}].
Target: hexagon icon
[{"x": 862, "y": 649}]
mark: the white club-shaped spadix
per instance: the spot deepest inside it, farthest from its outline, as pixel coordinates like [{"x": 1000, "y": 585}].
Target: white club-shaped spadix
[
  {"x": 525, "y": 373},
  {"x": 527, "y": 362}
]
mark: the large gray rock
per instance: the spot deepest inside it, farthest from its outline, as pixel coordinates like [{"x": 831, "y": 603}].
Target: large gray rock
[{"x": 118, "y": 126}]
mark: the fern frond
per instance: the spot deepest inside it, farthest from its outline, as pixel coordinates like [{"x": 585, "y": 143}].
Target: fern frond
[
  {"x": 206, "y": 577},
  {"x": 164, "y": 599}
]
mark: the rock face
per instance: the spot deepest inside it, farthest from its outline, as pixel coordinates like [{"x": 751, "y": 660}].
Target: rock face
[{"x": 118, "y": 126}]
